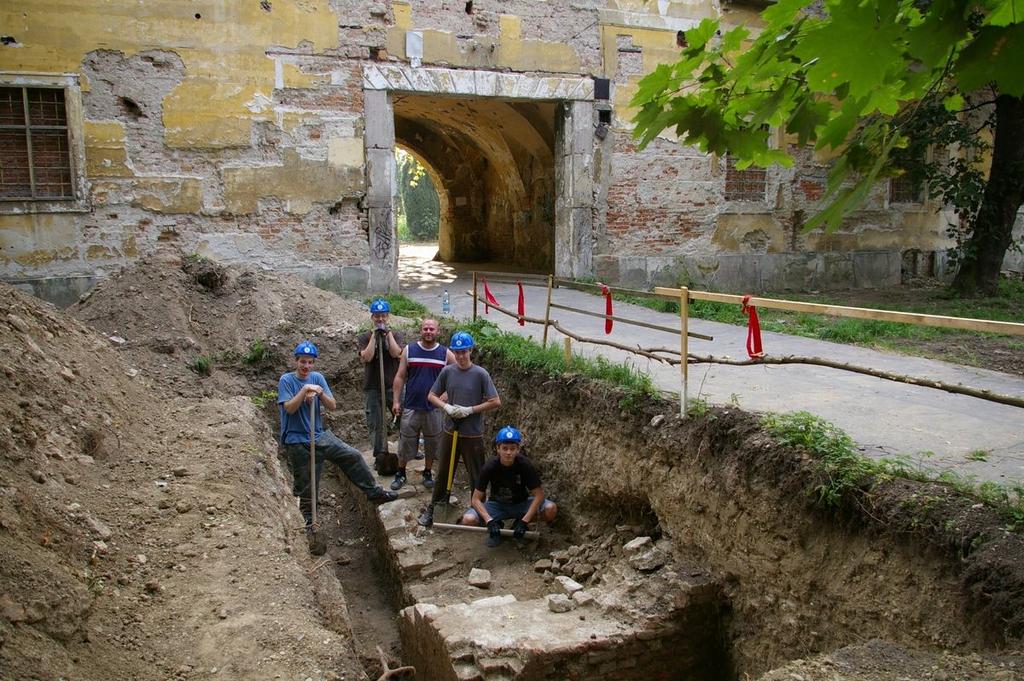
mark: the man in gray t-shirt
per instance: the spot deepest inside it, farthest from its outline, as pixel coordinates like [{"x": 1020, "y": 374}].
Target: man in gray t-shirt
[{"x": 470, "y": 392}]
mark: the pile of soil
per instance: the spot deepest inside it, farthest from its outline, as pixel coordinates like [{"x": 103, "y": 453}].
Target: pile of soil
[
  {"x": 147, "y": 530},
  {"x": 166, "y": 313}
]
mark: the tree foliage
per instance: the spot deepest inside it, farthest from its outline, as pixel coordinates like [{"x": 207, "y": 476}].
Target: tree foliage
[
  {"x": 418, "y": 203},
  {"x": 857, "y": 79}
]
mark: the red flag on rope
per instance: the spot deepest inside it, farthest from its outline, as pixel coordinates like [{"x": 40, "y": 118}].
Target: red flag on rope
[
  {"x": 607, "y": 308},
  {"x": 753, "y": 330},
  {"x": 522, "y": 304},
  {"x": 488, "y": 297}
]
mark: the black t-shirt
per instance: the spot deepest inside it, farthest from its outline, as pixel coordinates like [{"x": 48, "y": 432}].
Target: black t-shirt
[
  {"x": 371, "y": 378},
  {"x": 509, "y": 484}
]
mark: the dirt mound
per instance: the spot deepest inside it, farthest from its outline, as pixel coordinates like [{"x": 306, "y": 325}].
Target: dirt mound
[
  {"x": 144, "y": 536},
  {"x": 198, "y": 328}
]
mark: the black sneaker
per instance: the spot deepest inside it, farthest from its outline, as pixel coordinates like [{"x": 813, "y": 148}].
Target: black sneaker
[
  {"x": 426, "y": 518},
  {"x": 382, "y": 496},
  {"x": 428, "y": 479},
  {"x": 493, "y": 541},
  {"x": 399, "y": 480}
]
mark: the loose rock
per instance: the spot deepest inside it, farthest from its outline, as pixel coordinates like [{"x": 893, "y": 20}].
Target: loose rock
[
  {"x": 480, "y": 578},
  {"x": 560, "y": 603}
]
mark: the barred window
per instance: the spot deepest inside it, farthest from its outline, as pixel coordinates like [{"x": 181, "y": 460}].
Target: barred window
[
  {"x": 35, "y": 154},
  {"x": 744, "y": 185},
  {"x": 903, "y": 189}
]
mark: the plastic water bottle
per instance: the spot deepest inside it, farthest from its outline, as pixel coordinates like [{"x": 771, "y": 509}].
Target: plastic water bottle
[{"x": 446, "y": 303}]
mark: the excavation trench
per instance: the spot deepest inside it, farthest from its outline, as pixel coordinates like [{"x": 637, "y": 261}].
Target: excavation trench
[
  {"x": 684, "y": 550},
  {"x": 698, "y": 550}
]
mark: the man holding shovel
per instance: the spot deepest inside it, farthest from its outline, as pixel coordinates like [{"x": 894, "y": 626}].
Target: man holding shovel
[
  {"x": 379, "y": 351},
  {"x": 516, "y": 491},
  {"x": 470, "y": 392},
  {"x": 298, "y": 393}
]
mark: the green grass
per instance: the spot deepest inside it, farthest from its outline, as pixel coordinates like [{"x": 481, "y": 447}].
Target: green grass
[
  {"x": 978, "y": 455},
  {"x": 1007, "y": 306},
  {"x": 845, "y": 471},
  {"x": 401, "y": 305},
  {"x": 264, "y": 398},
  {"x": 528, "y": 354},
  {"x": 202, "y": 365},
  {"x": 257, "y": 354}
]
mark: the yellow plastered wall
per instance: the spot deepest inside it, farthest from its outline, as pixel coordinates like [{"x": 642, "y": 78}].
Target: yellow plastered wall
[
  {"x": 105, "y": 154},
  {"x": 222, "y": 45},
  {"x": 510, "y": 50},
  {"x": 658, "y": 47}
]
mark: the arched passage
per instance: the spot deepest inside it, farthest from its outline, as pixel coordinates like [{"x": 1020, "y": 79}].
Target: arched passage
[
  {"x": 495, "y": 162},
  {"x": 515, "y": 154}
]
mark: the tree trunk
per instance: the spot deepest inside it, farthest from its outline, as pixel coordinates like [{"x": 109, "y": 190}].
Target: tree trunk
[{"x": 1004, "y": 193}]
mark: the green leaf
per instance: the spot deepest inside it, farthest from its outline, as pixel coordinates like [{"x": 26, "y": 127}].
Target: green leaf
[
  {"x": 733, "y": 40},
  {"x": 861, "y": 45},
  {"x": 939, "y": 32},
  {"x": 1005, "y": 13},
  {"x": 995, "y": 56},
  {"x": 806, "y": 118},
  {"x": 954, "y": 102},
  {"x": 782, "y": 13},
  {"x": 699, "y": 36}
]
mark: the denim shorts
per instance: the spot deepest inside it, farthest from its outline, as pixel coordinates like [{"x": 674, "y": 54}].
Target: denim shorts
[{"x": 499, "y": 510}]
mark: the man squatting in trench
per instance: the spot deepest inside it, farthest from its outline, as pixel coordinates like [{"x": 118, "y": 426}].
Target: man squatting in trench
[
  {"x": 471, "y": 393},
  {"x": 516, "y": 491},
  {"x": 296, "y": 391},
  {"x": 419, "y": 367}
]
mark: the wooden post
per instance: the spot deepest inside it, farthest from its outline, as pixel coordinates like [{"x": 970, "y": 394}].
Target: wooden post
[
  {"x": 474, "y": 295},
  {"x": 684, "y": 346},
  {"x": 547, "y": 309},
  {"x": 568, "y": 352}
]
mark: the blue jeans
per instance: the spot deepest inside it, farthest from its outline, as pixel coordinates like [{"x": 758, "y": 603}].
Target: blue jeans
[
  {"x": 499, "y": 510},
  {"x": 329, "y": 447}
]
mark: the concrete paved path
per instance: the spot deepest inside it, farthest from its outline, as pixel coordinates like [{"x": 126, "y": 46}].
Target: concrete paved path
[{"x": 934, "y": 429}]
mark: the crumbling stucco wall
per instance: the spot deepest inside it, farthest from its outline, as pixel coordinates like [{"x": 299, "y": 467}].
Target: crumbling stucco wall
[{"x": 239, "y": 131}]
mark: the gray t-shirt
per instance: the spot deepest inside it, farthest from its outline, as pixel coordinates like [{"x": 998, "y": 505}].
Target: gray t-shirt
[{"x": 468, "y": 388}]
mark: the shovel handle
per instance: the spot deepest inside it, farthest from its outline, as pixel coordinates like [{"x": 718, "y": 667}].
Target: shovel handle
[
  {"x": 530, "y": 534},
  {"x": 312, "y": 460}
]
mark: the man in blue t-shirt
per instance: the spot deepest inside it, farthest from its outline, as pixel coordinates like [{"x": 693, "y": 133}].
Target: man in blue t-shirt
[
  {"x": 295, "y": 392},
  {"x": 516, "y": 491}
]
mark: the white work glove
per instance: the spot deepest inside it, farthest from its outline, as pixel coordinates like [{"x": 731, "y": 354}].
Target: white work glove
[
  {"x": 449, "y": 409},
  {"x": 462, "y": 412}
]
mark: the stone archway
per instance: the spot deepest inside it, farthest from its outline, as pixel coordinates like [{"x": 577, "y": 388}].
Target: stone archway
[{"x": 514, "y": 154}]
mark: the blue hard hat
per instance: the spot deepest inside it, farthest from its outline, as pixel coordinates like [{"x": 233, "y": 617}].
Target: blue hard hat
[
  {"x": 379, "y": 305},
  {"x": 461, "y": 340},
  {"x": 508, "y": 434},
  {"x": 306, "y": 349}
]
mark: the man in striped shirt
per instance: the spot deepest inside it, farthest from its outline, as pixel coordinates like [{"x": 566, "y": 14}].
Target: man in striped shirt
[{"x": 418, "y": 368}]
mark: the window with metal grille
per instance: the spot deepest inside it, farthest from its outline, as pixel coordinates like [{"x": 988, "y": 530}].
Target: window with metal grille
[
  {"x": 35, "y": 154},
  {"x": 744, "y": 185},
  {"x": 904, "y": 189}
]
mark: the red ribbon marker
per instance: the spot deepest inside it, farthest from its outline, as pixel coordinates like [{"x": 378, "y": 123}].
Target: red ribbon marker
[
  {"x": 607, "y": 308},
  {"x": 522, "y": 305},
  {"x": 488, "y": 297},
  {"x": 753, "y": 330}
]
